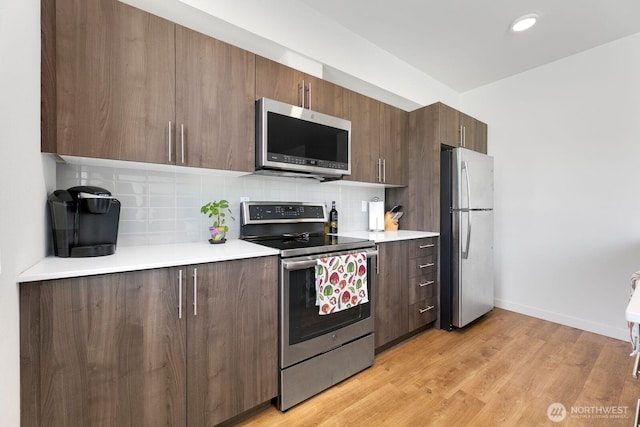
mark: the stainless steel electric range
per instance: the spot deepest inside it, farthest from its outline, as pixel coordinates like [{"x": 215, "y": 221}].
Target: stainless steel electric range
[{"x": 315, "y": 351}]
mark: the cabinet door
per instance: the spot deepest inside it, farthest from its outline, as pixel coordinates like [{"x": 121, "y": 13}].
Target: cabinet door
[
  {"x": 112, "y": 350},
  {"x": 393, "y": 133},
  {"x": 285, "y": 84},
  {"x": 232, "y": 339},
  {"x": 448, "y": 122},
  {"x": 215, "y": 105},
  {"x": 475, "y": 134},
  {"x": 391, "y": 309},
  {"x": 421, "y": 198},
  {"x": 279, "y": 82},
  {"x": 364, "y": 113},
  {"x": 326, "y": 97},
  {"x": 115, "y": 89}
]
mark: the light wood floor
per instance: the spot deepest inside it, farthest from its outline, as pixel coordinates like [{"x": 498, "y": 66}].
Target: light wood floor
[{"x": 504, "y": 369}]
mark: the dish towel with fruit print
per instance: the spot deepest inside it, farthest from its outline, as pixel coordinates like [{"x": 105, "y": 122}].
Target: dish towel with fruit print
[{"x": 341, "y": 282}]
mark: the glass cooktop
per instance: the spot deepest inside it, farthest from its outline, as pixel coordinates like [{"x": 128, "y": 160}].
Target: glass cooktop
[{"x": 295, "y": 246}]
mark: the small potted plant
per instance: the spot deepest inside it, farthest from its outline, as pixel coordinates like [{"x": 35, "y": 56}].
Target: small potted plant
[{"x": 218, "y": 210}]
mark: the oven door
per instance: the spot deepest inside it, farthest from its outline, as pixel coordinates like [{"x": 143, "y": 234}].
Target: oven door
[{"x": 303, "y": 332}]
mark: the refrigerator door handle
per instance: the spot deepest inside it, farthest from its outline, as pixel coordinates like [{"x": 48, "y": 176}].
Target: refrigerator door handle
[
  {"x": 465, "y": 252},
  {"x": 465, "y": 168}
]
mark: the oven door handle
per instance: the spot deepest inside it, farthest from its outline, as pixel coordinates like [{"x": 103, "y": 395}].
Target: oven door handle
[{"x": 308, "y": 263}]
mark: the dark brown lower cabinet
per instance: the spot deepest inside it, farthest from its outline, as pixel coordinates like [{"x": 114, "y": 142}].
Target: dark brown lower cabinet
[
  {"x": 148, "y": 348},
  {"x": 231, "y": 340},
  {"x": 406, "y": 298},
  {"x": 392, "y": 316}
]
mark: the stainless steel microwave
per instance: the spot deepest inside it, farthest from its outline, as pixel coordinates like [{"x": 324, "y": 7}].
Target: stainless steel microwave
[{"x": 295, "y": 141}]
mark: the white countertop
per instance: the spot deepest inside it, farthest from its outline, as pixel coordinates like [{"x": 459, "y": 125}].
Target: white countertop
[
  {"x": 389, "y": 236},
  {"x": 130, "y": 258},
  {"x": 632, "y": 313}
]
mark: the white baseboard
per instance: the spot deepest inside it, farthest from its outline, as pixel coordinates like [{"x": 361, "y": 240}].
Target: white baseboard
[{"x": 563, "y": 319}]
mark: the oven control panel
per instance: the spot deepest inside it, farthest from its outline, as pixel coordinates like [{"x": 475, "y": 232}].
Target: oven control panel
[{"x": 274, "y": 212}]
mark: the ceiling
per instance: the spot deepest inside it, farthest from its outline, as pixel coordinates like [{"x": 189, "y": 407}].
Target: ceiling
[{"x": 468, "y": 43}]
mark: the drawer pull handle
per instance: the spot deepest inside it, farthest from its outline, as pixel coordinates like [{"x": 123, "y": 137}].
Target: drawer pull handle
[
  {"x": 427, "y": 246},
  {"x": 424, "y": 310},
  {"x": 431, "y": 264},
  {"x": 430, "y": 282}
]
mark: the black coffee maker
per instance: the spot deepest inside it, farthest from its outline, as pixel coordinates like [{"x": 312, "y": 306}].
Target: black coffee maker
[{"x": 84, "y": 221}]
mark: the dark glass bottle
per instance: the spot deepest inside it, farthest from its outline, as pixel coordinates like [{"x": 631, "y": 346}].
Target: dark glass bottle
[{"x": 333, "y": 218}]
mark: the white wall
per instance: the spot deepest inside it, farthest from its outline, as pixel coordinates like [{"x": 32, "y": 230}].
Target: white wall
[
  {"x": 566, "y": 143},
  {"x": 22, "y": 188}
]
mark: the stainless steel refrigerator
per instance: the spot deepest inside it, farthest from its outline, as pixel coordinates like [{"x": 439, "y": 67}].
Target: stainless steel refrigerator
[{"x": 466, "y": 242}]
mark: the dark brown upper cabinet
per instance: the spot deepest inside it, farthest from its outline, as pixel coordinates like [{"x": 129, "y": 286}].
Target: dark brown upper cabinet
[
  {"x": 108, "y": 80},
  {"x": 215, "y": 113},
  {"x": 285, "y": 84},
  {"x": 394, "y": 127},
  {"x": 120, "y": 83},
  {"x": 378, "y": 132},
  {"x": 457, "y": 129}
]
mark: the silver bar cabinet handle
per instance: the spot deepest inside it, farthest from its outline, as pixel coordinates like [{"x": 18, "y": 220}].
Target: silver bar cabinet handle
[
  {"x": 431, "y": 264},
  {"x": 301, "y": 94},
  {"x": 303, "y": 90},
  {"x": 169, "y": 141},
  {"x": 182, "y": 141},
  {"x": 430, "y": 245},
  {"x": 195, "y": 291},
  {"x": 180, "y": 294},
  {"x": 384, "y": 170},
  {"x": 430, "y": 282},
  {"x": 424, "y": 310},
  {"x": 460, "y": 143},
  {"x": 309, "y": 90}
]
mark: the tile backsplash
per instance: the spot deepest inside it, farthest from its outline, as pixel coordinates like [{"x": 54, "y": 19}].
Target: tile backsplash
[{"x": 159, "y": 207}]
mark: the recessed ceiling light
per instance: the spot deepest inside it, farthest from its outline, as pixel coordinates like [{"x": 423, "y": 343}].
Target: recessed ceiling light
[{"x": 524, "y": 22}]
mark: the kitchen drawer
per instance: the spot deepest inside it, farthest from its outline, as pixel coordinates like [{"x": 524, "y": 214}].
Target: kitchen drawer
[
  {"x": 422, "y": 266},
  {"x": 423, "y": 312},
  {"x": 422, "y": 247},
  {"x": 422, "y": 287}
]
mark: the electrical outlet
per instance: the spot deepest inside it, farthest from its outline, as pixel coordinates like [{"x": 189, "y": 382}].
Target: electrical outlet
[
  {"x": 364, "y": 205},
  {"x": 244, "y": 199}
]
